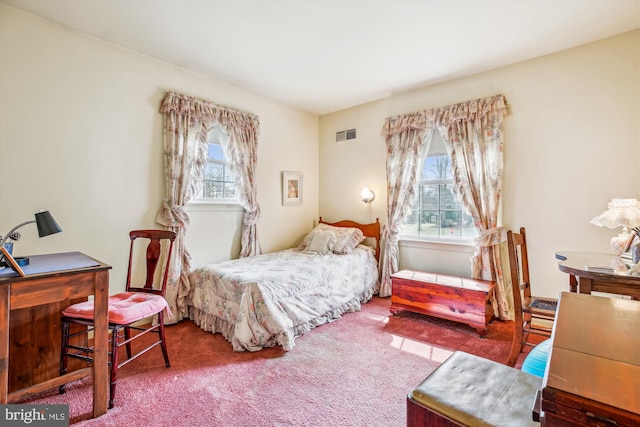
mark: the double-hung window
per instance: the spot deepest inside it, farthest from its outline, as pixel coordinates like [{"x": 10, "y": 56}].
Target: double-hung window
[
  {"x": 219, "y": 181},
  {"x": 436, "y": 212}
]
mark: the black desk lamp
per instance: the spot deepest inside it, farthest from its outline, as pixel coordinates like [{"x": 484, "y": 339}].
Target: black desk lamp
[{"x": 46, "y": 226}]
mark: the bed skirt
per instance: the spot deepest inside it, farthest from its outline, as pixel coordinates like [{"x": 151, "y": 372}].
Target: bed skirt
[{"x": 214, "y": 324}]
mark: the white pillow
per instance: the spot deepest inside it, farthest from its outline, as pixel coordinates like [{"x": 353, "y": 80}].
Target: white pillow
[
  {"x": 344, "y": 241},
  {"x": 347, "y": 239},
  {"x": 304, "y": 244},
  {"x": 320, "y": 243}
]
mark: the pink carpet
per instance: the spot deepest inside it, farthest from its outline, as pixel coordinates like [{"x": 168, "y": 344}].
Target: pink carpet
[{"x": 355, "y": 371}]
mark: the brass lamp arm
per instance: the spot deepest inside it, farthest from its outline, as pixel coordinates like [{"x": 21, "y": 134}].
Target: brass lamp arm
[{"x": 6, "y": 236}]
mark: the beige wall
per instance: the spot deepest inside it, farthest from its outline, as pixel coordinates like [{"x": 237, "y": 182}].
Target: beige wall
[
  {"x": 572, "y": 142},
  {"x": 80, "y": 135}
]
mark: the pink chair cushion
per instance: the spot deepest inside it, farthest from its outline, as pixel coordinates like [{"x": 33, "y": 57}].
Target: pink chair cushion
[{"x": 124, "y": 308}]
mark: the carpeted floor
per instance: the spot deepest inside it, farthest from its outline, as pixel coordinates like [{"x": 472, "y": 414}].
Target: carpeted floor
[{"x": 355, "y": 371}]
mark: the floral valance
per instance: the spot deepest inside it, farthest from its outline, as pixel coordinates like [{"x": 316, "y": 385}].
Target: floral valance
[
  {"x": 397, "y": 124},
  {"x": 469, "y": 110},
  {"x": 207, "y": 111}
]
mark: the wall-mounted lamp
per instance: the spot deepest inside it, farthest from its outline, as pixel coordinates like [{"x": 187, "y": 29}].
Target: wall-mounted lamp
[
  {"x": 46, "y": 226},
  {"x": 367, "y": 195}
]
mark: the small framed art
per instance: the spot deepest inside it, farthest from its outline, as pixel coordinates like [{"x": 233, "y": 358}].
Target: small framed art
[
  {"x": 11, "y": 261},
  {"x": 291, "y": 188}
]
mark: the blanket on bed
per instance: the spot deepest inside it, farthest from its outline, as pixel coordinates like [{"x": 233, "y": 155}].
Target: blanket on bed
[{"x": 270, "y": 299}]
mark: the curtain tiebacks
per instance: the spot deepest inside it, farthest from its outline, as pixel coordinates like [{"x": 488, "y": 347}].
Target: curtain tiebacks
[{"x": 491, "y": 237}]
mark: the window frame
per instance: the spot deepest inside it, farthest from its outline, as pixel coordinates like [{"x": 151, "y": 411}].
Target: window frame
[
  {"x": 200, "y": 199},
  {"x": 466, "y": 240}
]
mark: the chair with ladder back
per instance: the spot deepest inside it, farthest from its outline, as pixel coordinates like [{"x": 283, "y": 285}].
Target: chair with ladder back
[{"x": 532, "y": 314}]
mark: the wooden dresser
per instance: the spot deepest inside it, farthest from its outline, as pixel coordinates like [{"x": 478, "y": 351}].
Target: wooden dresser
[
  {"x": 460, "y": 299},
  {"x": 593, "y": 372}
]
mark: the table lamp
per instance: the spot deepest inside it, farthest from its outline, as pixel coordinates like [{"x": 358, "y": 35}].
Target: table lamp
[
  {"x": 46, "y": 226},
  {"x": 623, "y": 213}
]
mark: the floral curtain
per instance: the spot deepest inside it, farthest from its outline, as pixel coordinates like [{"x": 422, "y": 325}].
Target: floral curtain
[
  {"x": 242, "y": 152},
  {"x": 495, "y": 255},
  {"x": 472, "y": 132},
  {"x": 473, "y": 136},
  {"x": 186, "y": 123},
  {"x": 404, "y": 138}
]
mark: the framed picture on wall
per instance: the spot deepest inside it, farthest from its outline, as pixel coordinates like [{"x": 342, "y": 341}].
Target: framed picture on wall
[{"x": 291, "y": 188}]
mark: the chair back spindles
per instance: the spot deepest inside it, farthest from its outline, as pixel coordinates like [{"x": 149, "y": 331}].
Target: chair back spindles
[{"x": 154, "y": 253}]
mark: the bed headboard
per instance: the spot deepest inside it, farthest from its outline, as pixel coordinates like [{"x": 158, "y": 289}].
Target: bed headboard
[{"x": 369, "y": 230}]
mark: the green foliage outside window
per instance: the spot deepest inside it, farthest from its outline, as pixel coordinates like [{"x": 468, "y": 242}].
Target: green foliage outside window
[{"x": 436, "y": 211}]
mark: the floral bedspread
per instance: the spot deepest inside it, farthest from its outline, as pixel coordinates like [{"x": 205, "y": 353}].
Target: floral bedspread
[{"x": 270, "y": 299}]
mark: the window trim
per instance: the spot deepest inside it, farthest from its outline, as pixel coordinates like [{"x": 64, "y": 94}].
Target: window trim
[
  {"x": 204, "y": 205},
  {"x": 212, "y": 139},
  {"x": 460, "y": 245},
  {"x": 466, "y": 241},
  {"x": 436, "y": 240}
]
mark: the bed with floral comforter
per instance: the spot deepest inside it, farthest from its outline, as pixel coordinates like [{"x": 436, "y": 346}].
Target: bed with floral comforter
[{"x": 271, "y": 299}]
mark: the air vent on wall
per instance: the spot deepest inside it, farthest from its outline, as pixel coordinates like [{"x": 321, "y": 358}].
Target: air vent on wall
[{"x": 345, "y": 135}]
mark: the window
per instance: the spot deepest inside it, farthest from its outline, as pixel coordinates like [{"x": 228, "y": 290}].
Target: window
[
  {"x": 436, "y": 213},
  {"x": 219, "y": 182}
]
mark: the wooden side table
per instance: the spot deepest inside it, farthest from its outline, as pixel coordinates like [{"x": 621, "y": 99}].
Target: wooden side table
[
  {"x": 593, "y": 272},
  {"x": 460, "y": 299}
]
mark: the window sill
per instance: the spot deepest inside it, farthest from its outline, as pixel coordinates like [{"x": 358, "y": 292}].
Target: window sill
[
  {"x": 213, "y": 205},
  {"x": 464, "y": 246}
]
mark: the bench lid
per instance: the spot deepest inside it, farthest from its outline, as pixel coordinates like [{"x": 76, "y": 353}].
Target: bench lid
[{"x": 445, "y": 280}]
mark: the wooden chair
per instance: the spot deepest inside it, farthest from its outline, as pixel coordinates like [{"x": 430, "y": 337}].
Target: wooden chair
[
  {"x": 136, "y": 304},
  {"x": 532, "y": 315}
]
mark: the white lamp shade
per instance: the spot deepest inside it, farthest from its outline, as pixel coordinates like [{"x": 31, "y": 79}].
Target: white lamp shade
[
  {"x": 367, "y": 195},
  {"x": 620, "y": 213}
]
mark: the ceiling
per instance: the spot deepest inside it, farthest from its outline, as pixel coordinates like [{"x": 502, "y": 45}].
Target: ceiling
[{"x": 326, "y": 55}]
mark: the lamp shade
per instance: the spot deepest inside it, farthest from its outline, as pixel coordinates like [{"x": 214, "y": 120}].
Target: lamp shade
[
  {"x": 619, "y": 213},
  {"x": 46, "y": 224},
  {"x": 367, "y": 195}
]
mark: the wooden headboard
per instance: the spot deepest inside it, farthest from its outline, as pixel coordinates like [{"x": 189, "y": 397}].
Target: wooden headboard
[{"x": 369, "y": 230}]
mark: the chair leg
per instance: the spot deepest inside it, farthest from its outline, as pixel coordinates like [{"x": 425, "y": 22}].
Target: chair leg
[
  {"x": 127, "y": 337},
  {"x": 113, "y": 376},
  {"x": 516, "y": 346},
  {"x": 63, "y": 353},
  {"x": 163, "y": 341}
]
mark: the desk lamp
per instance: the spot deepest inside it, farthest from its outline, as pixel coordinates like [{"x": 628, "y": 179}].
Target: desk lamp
[
  {"x": 623, "y": 213},
  {"x": 46, "y": 226}
]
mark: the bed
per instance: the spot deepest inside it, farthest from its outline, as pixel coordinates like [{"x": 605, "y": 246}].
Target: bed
[{"x": 270, "y": 299}]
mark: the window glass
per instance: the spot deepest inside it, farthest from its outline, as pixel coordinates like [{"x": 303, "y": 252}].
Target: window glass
[
  {"x": 436, "y": 212},
  {"x": 219, "y": 182}
]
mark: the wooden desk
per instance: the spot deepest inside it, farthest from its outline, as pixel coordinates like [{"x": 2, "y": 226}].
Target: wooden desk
[
  {"x": 585, "y": 281},
  {"x": 52, "y": 278},
  {"x": 593, "y": 373}
]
